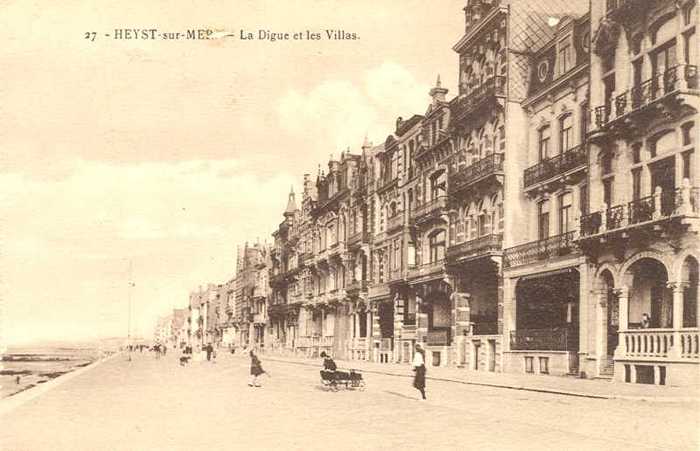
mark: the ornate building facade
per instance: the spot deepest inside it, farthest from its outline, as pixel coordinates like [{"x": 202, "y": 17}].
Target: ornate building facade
[{"x": 544, "y": 220}]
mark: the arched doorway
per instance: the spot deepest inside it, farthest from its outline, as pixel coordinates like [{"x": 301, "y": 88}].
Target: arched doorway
[
  {"x": 689, "y": 279},
  {"x": 649, "y": 295}
]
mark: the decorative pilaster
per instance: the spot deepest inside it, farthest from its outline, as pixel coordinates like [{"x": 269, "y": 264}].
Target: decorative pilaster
[{"x": 623, "y": 302}]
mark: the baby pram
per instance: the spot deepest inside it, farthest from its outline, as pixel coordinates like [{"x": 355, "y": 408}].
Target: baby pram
[{"x": 350, "y": 379}]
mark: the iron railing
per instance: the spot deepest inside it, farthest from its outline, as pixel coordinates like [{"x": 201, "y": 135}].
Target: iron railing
[
  {"x": 466, "y": 176},
  {"x": 556, "y": 165},
  {"x": 478, "y": 246},
  {"x": 682, "y": 201},
  {"x": 433, "y": 205},
  {"x": 643, "y": 94},
  {"x": 474, "y": 96},
  {"x": 550, "y": 339},
  {"x": 440, "y": 337},
  {"x": 535, "y": 251}
]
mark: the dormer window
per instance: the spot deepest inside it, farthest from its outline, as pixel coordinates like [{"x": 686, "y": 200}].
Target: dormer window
[{"x": 566, "y": 62}]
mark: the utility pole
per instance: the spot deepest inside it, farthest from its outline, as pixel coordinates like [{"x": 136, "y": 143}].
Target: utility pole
[{"x": 128, "y": 339}]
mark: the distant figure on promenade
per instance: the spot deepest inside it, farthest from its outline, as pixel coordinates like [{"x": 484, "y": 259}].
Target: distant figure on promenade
[
  {"x": 209, "y": 349},
  {"x": 419, "y": 369},
  {"x": 165, "y": 349},
  {"x": 255, "y": 369}
]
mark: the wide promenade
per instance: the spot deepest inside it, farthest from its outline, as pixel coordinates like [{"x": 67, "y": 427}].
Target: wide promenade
[{"x": 154, "y": 404}]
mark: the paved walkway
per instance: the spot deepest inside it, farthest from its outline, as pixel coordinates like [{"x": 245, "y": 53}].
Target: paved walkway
[
  {"x": 572, "y": 386},
  {"x": 150, "y": 404}
]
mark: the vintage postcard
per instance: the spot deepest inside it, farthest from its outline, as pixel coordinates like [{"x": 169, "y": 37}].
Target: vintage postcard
[{"x": 341, "y": 225}]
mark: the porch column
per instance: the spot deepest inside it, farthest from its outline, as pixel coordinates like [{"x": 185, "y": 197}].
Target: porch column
[
  {"x": 602, "y": 329},
  {"x": 678, "y": 290},
  {"x": 623, "y": 303}
]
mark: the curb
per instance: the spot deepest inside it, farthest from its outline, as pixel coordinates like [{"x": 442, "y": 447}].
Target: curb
[
  {"x": 518, "y": 387},
  {"x": 18, "y": 399}
]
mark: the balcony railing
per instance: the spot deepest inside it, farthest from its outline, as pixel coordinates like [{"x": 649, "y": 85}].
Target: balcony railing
[
  {"x": 426, "y": 268},
  {"x": 433, "y": 206},
  {"x": 468, "y": 175},
  {"x": 438, "y": 337},
  {"x": 476, "y": 247},
  {"x": 662, "y": 205},
  {"x": 395, "y": 222},
  {"x": 359, "y": 237},
  {"x": 552, "y": 339},
  {"x": 485, "y": 328},
  {"x": 557, "y": 165},
  {"x": 473, "y": 98},
  {"x": 536, "y": 251},
  {"x": 684, "y": 76},
  {"x": 357, "y": 285},
  {"x": 409, "y": 319}
]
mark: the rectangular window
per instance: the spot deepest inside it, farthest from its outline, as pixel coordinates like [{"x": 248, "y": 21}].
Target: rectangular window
[
  {"x": 529, "y": 367},
  {"x": 636, "y": 183},
  {"x": 583, "y": 199},
  {"x": 543, "y": 220},
  {"x": 566, "y": 133},
  {"x": 437, "y": 246},
  {"x": 544, "y": 142},
  {"x": 584, "y": 122},
  {"x": 565, "y": 217},
  {"x": 544, "y": 365},
  {"x": 608, "y": 192},
  {"x": 687, "y": 159},
  {"x": 565, "y": 58}
]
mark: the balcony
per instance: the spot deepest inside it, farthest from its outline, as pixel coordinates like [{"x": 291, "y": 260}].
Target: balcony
[
  {"x": 356, "y": 286},
  {"x": 395, "y": 275},
  {"x": 379, "y": 290},
  {"x": 358, "y": 238},
  {"x": 658, "y": 208},
  {"x": 438, "y": 337},
  {"x": 623, "y": 11},
  {"x": 556, "y": 166},
  {"x": 467, "y": 176},
  {"x": 336, "y": 249},
  {"x": 478, "y": 97},
  {"x": 395, "y": 222},
  {"x": 475, "y": 248},
  {"x": 384, "y": 184},
  {"x": 409, "y": 319},
  {"x": 426, "y": 269},
  {"x": 537, "y": 251},
  {"x": 552, "y": 339},
  {"x": 484, "y": 328},
  {"x": 623, "y": 114},
  {"x": 432, "y": 208}
]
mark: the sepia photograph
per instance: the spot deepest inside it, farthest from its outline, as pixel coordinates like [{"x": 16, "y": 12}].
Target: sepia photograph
[{"x": 349, "y": 225}]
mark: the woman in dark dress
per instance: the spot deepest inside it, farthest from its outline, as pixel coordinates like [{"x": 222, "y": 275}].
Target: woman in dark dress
[
  {"x": 419, "y": 369},
  {"x": 255, "y": 369}
]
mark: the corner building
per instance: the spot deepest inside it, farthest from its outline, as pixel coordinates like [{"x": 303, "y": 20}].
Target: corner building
[{"x": 640, "y": 235}]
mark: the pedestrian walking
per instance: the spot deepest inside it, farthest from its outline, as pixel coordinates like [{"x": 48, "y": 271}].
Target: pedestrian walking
[
  {"x": 255, "y": 369},
  {"x": 419, "y": 369},
  {"x": 209, "y": 350}
]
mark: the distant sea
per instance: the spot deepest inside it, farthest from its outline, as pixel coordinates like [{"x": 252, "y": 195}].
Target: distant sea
[{"x": 24, "y": 367}]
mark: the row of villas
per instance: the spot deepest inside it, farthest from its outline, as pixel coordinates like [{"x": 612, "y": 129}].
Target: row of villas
[{"x": 544, "y": 220}]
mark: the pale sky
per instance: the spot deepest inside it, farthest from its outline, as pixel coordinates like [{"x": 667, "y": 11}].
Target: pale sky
[{"x": 170, "y": 154}]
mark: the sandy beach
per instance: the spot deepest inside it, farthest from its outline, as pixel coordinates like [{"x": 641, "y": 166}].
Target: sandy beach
[{"x": 25, "y": 367}]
